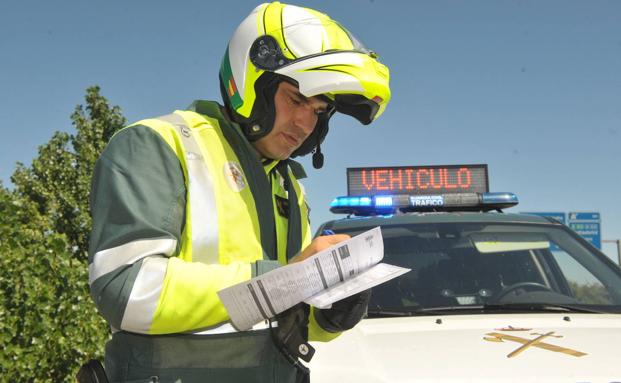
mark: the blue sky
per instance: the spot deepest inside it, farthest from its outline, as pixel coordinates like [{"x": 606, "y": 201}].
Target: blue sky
[{"x": 531, "y": 88}]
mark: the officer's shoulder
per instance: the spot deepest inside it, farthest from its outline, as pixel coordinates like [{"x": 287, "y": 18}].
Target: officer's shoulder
[
  {"x": 139, "y": 131},
  {"x": 134, "y": 139}
]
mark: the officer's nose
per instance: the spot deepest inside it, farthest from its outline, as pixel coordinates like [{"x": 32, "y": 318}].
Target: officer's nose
[{"x": 306, "y": 119}]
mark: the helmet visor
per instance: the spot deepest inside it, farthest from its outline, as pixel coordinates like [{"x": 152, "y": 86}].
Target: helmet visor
[{"x": 322, "y": 57}]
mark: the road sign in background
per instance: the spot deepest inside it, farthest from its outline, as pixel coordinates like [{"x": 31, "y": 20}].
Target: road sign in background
[{"x": 587, "y": 225}]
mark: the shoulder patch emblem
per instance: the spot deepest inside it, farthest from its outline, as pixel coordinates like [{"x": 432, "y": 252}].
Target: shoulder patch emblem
[{"x": 234, "y": 176}]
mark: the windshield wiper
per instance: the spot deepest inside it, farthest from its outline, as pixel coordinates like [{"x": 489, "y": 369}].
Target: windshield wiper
[
  {"x": 507, "y": 307},
  {"x": 541, "y": 307},
  {"x": 381, "y": 313},
  {"x": 445, "y": 309}
]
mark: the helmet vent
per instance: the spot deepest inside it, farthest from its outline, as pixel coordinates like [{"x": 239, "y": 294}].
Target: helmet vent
[{"x": 265, "y": 53}]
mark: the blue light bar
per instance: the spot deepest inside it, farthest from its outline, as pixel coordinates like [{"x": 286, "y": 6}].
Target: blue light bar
[
  {"x": 383, "y": 201},
  {"x": 363, "y": 205},
  {"x": 388, "y": 204},
  {"x": 351, "y": 201},
  {"x": 499, "y": 199},
  {"x": 365, "y": 201}
]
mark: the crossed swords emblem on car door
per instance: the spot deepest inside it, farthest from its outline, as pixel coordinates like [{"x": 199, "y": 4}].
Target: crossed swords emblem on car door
[{"x": 527, "y": 343}]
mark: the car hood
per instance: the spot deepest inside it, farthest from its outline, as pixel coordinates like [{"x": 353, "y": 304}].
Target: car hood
[{"x": 476, "y": 348}]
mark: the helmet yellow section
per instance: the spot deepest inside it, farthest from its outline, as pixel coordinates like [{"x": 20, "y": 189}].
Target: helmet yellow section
[
  {"x": 311, "y": 49},
  {"x": 343, "y": 73},
  {"x": 279, "y": 42},
  {"x": 292, "y": 26}
]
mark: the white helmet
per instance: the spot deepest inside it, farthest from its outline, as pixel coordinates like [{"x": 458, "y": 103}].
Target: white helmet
[{"x": 280, "y": 42}]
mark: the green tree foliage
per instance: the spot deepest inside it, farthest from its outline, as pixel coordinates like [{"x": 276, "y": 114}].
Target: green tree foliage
[
  {"x": 590, "y": 293},
  {"x": 48, "y": 324},
  {"x": 58, "y": 181}
]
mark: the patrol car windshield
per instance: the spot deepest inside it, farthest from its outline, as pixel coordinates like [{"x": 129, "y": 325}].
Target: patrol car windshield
[{"x": 483, "y": 267}]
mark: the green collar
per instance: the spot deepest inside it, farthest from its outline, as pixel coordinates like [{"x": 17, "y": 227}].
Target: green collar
[
  {"x": 214, "y": 110},
  {"x": 209, "y": 108}
]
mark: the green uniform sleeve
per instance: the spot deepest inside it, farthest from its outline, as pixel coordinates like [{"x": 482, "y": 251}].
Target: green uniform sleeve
[{"x": 138, "y": 201}]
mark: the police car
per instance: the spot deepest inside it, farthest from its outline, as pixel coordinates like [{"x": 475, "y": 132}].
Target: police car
[{"x": 491, "y": 296}]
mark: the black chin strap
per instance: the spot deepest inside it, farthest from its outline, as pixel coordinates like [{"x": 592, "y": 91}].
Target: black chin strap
[
  {"x": 317, "y": 156},
  {"x": 292, "y": 333},
  {"x": 294, "y": 229}
]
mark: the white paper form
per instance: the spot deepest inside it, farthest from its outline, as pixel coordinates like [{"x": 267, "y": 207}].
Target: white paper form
[
  {"x": 263, "y": 297},
  {"x": 377, "y": 274}
]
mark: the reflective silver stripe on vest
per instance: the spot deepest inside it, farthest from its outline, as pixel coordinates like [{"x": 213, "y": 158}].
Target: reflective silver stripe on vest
[
  {"x": 202, "y": 196},
  {"x": 109, "y": 260},
  {"x": 227, "y": 327},
  {"x": 142, "y": 303}
]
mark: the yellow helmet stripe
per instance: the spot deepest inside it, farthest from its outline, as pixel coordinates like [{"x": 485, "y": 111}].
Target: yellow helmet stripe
[
  {"x": 334, "y": 36},
  {"x": 273, "y": 26},
  {"x": 284, "y": 39}
]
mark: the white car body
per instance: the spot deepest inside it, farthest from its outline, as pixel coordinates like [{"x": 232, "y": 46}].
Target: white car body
[
  {"x": 564, "y": 347},
  {"x": 490, "y": 298}
]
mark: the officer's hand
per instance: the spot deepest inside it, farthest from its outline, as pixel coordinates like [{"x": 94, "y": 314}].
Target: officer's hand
[
  {"x": 344, "y": 314},
  {"x": 318, "y": 244}
]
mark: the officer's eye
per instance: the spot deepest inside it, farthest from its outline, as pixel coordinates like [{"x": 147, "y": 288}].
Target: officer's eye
[
  {"x": 295, "y": 101},
  {"x": 324, "y": 110},
  {"x": 321, "y": 111}
]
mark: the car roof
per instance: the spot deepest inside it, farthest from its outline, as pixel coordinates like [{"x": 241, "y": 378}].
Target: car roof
[{"x": 435, "y": 217}]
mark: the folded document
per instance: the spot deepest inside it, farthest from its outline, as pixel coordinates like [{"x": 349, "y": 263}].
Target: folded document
[{"x": 335, "y": 273}]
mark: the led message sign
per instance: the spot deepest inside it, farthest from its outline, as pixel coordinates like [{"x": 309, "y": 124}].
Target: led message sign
[{"x": 417, "y": 180}]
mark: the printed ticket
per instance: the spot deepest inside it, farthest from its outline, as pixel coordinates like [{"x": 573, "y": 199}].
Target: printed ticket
[{"x": 328, "y": 276}]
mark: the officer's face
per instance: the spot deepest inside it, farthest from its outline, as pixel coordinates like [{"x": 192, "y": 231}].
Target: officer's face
[{"x": 296, "y": 117}]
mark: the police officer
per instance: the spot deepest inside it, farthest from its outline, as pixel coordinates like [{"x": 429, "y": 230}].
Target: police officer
[{"x": 189, "y": 203}]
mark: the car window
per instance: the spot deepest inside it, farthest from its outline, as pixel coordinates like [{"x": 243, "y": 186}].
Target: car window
[
  {"x": 474, "y": 264},
  {"x": 585, "y": 287}
]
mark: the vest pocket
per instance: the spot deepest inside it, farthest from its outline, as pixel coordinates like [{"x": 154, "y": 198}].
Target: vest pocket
[{"x": 248, "y": 356}]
